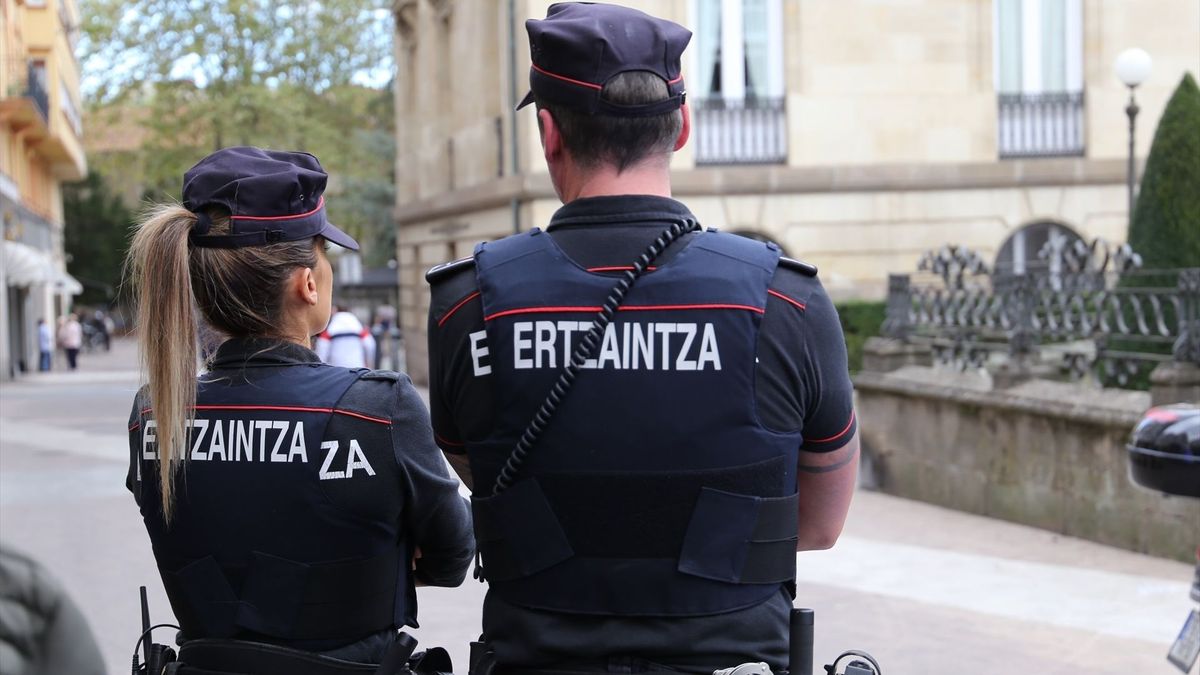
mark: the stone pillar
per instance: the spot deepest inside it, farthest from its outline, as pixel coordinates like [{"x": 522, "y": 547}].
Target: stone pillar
[
  {"x": 882, "y": 355},
  {"x": 1174, "y": 382}
]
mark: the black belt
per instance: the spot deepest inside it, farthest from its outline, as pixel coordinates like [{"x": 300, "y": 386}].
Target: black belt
[
  {"x": 520, "y": 670},
  {"x": 239, "y": 657}
]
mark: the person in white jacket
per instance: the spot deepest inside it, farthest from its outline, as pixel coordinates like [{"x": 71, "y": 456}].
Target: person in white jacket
[{"x": 346, "y": 342}]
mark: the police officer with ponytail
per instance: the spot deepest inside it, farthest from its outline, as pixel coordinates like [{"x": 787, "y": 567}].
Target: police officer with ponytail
[
  {"x": 653, "y": 417},
  {"x": 292, "y": 506}
]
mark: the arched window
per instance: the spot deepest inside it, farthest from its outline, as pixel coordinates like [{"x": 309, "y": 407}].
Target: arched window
[{"x": 1019, "y": 253}]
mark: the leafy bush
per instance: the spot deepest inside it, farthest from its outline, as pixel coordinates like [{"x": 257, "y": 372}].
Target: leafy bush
[{"x": 860, "y": 320}]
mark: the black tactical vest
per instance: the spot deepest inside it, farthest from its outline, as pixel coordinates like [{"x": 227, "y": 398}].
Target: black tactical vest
[
  {"x": 655, "y": 489},
  {"x": 280, "y": 533}
]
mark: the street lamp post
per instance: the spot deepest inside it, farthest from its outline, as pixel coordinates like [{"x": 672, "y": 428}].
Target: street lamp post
[{"x": 1133, "y": 67}]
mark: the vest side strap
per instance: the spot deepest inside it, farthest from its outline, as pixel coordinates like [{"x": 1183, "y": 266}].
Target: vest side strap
[{"x": 741, "y": 539}]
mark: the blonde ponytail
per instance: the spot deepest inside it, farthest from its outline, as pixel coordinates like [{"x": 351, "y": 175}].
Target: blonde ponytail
[
  {"x": 158, "y": 265},
  {"x": 238, "y": 291}
]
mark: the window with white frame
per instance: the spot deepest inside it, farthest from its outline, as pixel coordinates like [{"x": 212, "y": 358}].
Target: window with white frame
[
  {"x": 1038, "y": 72},
  {"x": 736, "y": 86}
]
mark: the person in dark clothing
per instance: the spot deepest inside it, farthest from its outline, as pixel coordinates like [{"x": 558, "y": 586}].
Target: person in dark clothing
[
  {"x": 289, "y": 502},
  {"x": 709, "y": 432},
  {"x": 42, "y": 632}
]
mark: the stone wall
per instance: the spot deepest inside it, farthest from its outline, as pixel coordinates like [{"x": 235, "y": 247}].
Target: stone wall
[{"x": 1047, "y": 454}]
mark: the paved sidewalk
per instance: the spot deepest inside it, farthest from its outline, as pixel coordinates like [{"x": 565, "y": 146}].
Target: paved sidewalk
[{"x": 926, "y": 590}]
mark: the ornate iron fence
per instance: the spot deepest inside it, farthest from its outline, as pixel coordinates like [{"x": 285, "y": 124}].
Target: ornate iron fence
[
  {"x": 1040, "y": 125},
  {"x": 1090, "y": 308},
  {"x": 751, "y": 131}
]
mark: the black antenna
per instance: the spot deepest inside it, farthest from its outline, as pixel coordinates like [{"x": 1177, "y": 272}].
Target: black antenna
[{"x": 145, "y": 625}]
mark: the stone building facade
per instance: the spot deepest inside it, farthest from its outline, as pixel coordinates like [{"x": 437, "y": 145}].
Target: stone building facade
[
  {"x": 856, "y": 134},
  {"x": 40, "y": 149}
]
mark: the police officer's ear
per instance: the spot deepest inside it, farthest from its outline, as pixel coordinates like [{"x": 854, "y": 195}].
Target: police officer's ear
[
  {"x": 552, "y": 143},
  {"x": 685, "y": 131},
  {"x": 303, "y": 286}
]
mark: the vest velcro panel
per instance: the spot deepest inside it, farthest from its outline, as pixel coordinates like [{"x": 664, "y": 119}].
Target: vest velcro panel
[{"x": 284, "y": 598}]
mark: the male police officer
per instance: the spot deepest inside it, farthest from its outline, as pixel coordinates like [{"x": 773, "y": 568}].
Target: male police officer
[{"x": 710, "y": 432}]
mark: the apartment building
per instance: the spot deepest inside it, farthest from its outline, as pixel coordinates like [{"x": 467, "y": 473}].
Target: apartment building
[
  {"x": 857, "y": 134},
  {"x": 40, "y": 149}
]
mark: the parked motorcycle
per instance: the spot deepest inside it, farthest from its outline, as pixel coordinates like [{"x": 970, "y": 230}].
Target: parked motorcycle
[{"x": 1164, "y": 455}]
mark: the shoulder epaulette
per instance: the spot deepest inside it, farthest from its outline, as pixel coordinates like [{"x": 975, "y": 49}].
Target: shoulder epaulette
[
  {"x": 800, "y": 266},
  {"x": 441, "y": 271},
  {"x": 385, "y": 375}
]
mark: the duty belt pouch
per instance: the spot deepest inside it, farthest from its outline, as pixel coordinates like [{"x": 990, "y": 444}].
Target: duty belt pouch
[
  {"x": 518, "y": 533},
  {"x": 741, "y": 539}
]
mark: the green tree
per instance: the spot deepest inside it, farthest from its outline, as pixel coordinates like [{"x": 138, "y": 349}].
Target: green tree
[
  {"x": 214, "y": 73},
  {"x": 96, "y": 237},
  {"x": 1165, "y": 228}
]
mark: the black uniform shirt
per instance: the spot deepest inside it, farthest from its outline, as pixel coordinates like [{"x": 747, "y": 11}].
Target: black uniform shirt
[{"x": 802, "y": 383}]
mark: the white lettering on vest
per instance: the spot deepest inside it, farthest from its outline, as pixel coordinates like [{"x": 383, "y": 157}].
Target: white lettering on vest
[
  {"x": 216, "y": 446},
  {"x": 243, "y": 440},
  {"x": 198, "y": 438},
  {"x": 355, "y": 459},
  {"x": 236, "y": 441},
  {"x": 276, "y": 455},
  {"x": 149, "y": 445},
  {"x": 479, "y": 352},
  {"x": 625, "y": 346},
  {"x": 544, "y": 344},
  {"x": 689, "y": 334},
  {"x": 330, "y": 448},
  {"x": 521, "y": 343},
  {"x": 709, "y": 353},
  {"x": 298, "y": 449},
  {"x": 609, "y": 353}
]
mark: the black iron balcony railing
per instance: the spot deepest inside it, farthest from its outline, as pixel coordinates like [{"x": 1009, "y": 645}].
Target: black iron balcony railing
[
  {"x": 750, "y": 131},
  {"x": 35, "y": 88},
  {"x": 1041, "y": 125},
  {"x": 27, "y": 79}
]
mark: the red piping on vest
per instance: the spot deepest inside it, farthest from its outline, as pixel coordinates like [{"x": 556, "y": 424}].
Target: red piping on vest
[
  {"x": 288, "y": 408},
  {"x": 627, "y": 308}
]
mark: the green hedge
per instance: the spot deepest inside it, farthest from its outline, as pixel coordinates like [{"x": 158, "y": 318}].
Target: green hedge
[
  {"x": 860, "y": 320},
  {"x": 1165, "y": 227}
]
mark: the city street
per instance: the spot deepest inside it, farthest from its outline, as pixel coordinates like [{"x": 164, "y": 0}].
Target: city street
[{"x": 924, "y": 589}]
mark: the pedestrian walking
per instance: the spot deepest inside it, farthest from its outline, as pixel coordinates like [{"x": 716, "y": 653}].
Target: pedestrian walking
[
  {"x": 71, "y": 338},
  {"x": 346, "y": 342},
  {"x": 45, "y": 345},
  {"x": 103, "y": 327},
  {"x": 310, "y": 488}
]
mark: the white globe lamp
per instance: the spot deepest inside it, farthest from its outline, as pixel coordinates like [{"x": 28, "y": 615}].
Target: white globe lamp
[{"x": 1132, "y": 68}]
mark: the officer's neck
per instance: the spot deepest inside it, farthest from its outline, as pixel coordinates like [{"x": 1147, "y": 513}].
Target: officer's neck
[{"x": 652, "y": 177}]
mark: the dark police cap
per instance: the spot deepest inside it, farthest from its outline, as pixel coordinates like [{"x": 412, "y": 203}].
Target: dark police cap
[
  {"x": 580, "y": 46},
  {"x": 272, "y": 196}
]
